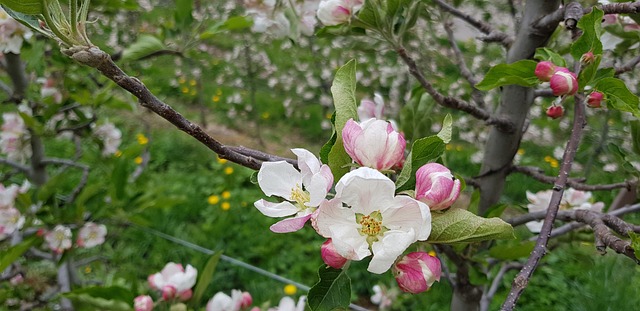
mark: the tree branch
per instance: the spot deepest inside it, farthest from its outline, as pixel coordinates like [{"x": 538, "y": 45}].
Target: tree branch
[
  {"x": 464, "y": 70},
  {"x": 630, "y": 65},
  {"x": 20, "y": 167},
  {"x": 537, "y": 174},
  {"x": 451, "y": 102},
  {"x": 487, "y": 295},
  {"x": 96, "y": 58},
  {"x": 493, "y": 35},
  {"x": 612, "y": 8},
  {"x": 522, "y": 279}
]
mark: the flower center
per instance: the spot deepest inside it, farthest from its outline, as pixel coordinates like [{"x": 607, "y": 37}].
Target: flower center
[
  {"x": 300, "y": 196},
  {"x": 371, "y": 226}
]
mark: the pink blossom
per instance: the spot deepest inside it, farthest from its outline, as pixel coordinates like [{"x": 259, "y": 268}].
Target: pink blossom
[
  {"x": 10, "y": 221},
  {"x": 330, "y": 256},
  {"x": 91, "y": 235},
  {"x": 417, "y": 271},
  {"x": 563, "y": 82},
  {"x": 555, "y": 112},
  {"x": 544, "y": 70},
  {"x": 143, "y": 303},
  {"x": 335, "y": 12},
  {"x": 173, "y": 276},
  {"x": 373, "y": 143},
  {"x": 59, "y": 239},
  {"x": 594, "y": 100},
  {"x": 436, "y": 186}
]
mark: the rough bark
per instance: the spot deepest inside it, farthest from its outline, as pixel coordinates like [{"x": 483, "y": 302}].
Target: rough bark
[{"x": 514, "y": 106}]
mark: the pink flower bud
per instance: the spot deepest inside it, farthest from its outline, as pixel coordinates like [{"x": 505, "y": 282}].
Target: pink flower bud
[
  {"x": 143, "y": 303},
  {"x": 246, "y": 301},
  {"x": 330, "y": 256},
  {"x": 417, "y": 271},
  {"x": 169, "y": 292},
  {"x": 373, "y": 143},
  {"x": 335, "y": 12},
  {"x": 587, "y": 58},
  {"x": 436, "y": 186},
  {"x": 563, "y": 82},
  {"x": 185, "y": 295},
  {"x": 544, "y": 70},
  {"x": 152, "y": 282},
  {"x": 555, "y": 112},
  {"x": 594, "y": 100}
]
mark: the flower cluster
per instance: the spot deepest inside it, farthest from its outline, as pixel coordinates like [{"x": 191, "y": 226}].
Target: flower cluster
[
  {"x": 174, "y": 281},
  {"x": 237, "y": 301},
  {"x": 272, "y": 17},
  {"x": 10, "y": 217},
  {"x": 60, "y": 238},
  {"x": 110, "y": 136},
  {"x": 365, "y": 217},
  {"x": 571, "y": 199},
  {"x": 14, "y": 138},
  {"x": 12, "y": 34},
  {"x": 562, "y": 81}
]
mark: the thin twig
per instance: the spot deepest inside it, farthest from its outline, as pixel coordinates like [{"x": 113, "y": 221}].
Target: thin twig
[
  {"x": 522, "y": 279},
  {"x": 612, "y": 8},
  {"x": 20, "y": 167},
  {"x": 487, "y": 295},
  {"x": 96, "y": 58},
  {"x": 522, "y": 219},
  {"x": 451, "y": 102},
  {"x": 536, "y": 173},
  {"x": 630, "y": 65},
  {"x": 493, "y": 35},
  {"x": 83, "y": 180}
]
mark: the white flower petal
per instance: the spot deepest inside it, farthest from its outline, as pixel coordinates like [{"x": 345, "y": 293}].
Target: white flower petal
[
  {"x": 279, "y": 178},
  {"x": 365, "y": 190},
  {"x": 307, "y": 162},
  {"x": 275, "y": 209},
  {"x": 387, "y": 250}
]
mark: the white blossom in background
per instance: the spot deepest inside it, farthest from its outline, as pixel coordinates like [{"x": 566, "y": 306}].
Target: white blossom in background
[
  {"x": 49, "y": 89},
  {"x": 10, "y": 221},
  {"x": 223, "y": 302},
  {"x": 91, "y": 234},
  {"x": 336, "y": 12},
  {"x": 571, "y": 199},
  {"x": 12, "y": 34},
  {"x": 367, "y": 218},
  {"x": 14, "y": 138},
  {"x": 382, "y": 297},
  {"x": 110, "y": 136},
  {"x": 288, "y": 304},
  {"x": 59, "y": 239}
]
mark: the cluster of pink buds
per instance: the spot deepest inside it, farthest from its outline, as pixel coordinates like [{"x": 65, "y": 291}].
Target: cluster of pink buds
[{"x": 562, "y": 81}]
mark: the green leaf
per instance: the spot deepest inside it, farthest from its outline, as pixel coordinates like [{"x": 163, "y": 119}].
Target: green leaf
[
  {"x": 324, "y": 151},
  {"x": 635, "y": 135},
  {"x": 46, "y": 191},
  {"x": 603, "y": 73},
  {"x": 512, "y": 250},
  {"x": 423, "y": 151},
  {"x": 591, "y": 26},
  {"x": 102, "y": 298},
  {"x": 29, "y": 7},
  {"x": 588, "y": 73},
  {"x": 550, "y": 55},
  {"x": 344, "y": 99},
  {"x": 460, "y": 226},
  {"x": 182, "y": 12},
  {"x": 28, "y": 20},
  {"x": 332, "y": 292},
  {"x": 635, "y": 243},
  {"x": 519, "y": 73},
  {"x": 618, "y": 96},
  {"x": 32, "y": 123},
  {"x": 145, "y": 45},
  {"x": 14, "y": 252},
  {"x": 445, "y": 132},
  {"x": 496, "y": 210},
  {"x": 206, "y": 276}
]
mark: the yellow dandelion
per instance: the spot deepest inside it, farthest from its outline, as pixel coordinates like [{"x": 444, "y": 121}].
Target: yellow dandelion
[
  {"x": 138, "y": 160},
  {"x": 433, "y": 254},
  {"x": 218, "y": 92},
  {"x": 182, "y": 80},
  {"x": 87, "y": 269},
  {"x": 328, "y": 115},
  {"x": 548, "y": 159},
  {"x": 143, "y": 140},
  {"x": 193, "y": 92},
  {"x": 554, "y": 163},
  {"x": 215, "y": 98},
  {"x": 458, "y": 148},
  {"x": 520, "y": 151},
  {"x": 448, "y": 147},
  {"x": 118, "y": 153},
  {"x": 226, "y": 194},
  {"x": 225, "y": 206},
  {"x": 213, "y": 199},
  {"x": 184, "y": 90},
  {"x": 290, "y": 289},
  {"x": 228, "y": 170},
  {"x": 265, "y": 115},
  {"x": 222, "y": 161},
  {"x": 192, "y": 82}
]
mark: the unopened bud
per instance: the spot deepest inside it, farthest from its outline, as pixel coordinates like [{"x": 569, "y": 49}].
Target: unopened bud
[
  {"x": 544, "y": 70},
  {"x": 417, "y": 271},
  {"x": 143, "y": 303},
  {"x": 594, "y": 100},
  {"x": 330, "y": 256},
  {"x": 563, "y": 82},
  {"x": 169, "y": 292},
  {"x": 587, "y": 58},
  {"x": 555, "y": 112}
]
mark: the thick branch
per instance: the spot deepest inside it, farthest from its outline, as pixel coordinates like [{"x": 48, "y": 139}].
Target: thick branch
[
  {"x": 628, "y": 66},
  {"x": 522, "y": 279},
  {"x": 451, "y": 102},
  {"x": 538, "y": 175},
  {"x": 522, "y": 219},
  {"x": 493, "y": 35},
  {"x": 613, "y": 8},
  {"x": 96, "y": 58}
]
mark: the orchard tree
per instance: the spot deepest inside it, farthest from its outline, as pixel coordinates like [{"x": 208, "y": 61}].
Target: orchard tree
[{"x": 506, "y": 80}]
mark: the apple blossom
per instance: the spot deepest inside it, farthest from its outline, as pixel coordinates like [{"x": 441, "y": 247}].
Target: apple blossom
[
  {"x": 436, "y": 186},
  {"x": 173, "y": 280},
  {"x": 335, "y": 12},
  {"x": 91, "y": 235},
  {"x": 330, "y": 256},
  {"x": 571, "y": 199},
  {"x": 12, "y": 34},
  {"x": 303, "y": 190},
  {"x": 246, "y": 300},
  {"x": 288, "y": 304},
  {"x": 563, "y": 82},
  {"x": 367, "y": 218},
  {"x": 370, "y": 109},
  {"x": 594, "y": 100},
  {"x": 8, "y": 195},
  {"x": 382, "y": 297},
  {"x": 544, "y": 70},
  {"x": 10, "y": 221},
  {"x": 417, "y": 271},
  {"x": 59, "y": 239},
  {"x": 143, "y": 303},
  {"x": 224, "y": 302},
  {"x": 14, "y": 137},
  {"x": 373, "y": 143},
  {"x": 111, "y": 137},
  {"x": 555, "y": 112}
]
